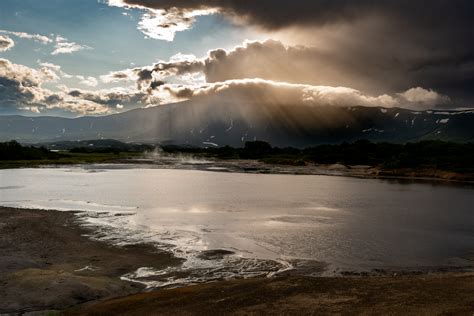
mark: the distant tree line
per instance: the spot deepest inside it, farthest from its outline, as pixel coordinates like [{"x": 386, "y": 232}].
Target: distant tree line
[
  {"x": 113, "y": 149},
  {"x": 12, "y": 150},
  {"x": 458, "y": 157},
  {"x": 91, "y": 150},
  {"x": 431, "y": 154},
  {"x": 102, "y": 146}
]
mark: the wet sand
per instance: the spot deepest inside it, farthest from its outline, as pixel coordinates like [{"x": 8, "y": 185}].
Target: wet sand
[{"x": 48, "y": 264}]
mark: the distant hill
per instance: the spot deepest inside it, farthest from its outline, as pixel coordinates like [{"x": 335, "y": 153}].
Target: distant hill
[{"x": 218, "y": 124}]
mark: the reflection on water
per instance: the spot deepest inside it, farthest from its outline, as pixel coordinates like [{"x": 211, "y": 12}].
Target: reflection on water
[{"x": 268, "y": 222}]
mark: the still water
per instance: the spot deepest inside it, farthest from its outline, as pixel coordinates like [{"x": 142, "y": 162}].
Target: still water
[{"x": 270, "y": 223}]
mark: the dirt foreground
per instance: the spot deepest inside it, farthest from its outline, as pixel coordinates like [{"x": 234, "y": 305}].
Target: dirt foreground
[
  {"x": 47, "y": 265},
  {"x": 407, "y": 295}
]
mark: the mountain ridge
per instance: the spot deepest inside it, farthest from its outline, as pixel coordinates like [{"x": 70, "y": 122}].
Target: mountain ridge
[{"x": 220, "y": 123}]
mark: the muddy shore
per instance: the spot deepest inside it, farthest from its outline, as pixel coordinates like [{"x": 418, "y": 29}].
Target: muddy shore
[
  {"x": 255, "y": 166},
  {"x": 48, "y": 264},
  {"x": 406, "y": 295}
]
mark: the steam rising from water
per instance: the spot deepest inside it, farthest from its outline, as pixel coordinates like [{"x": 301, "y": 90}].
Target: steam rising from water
[{"x": 159, "y": 156}]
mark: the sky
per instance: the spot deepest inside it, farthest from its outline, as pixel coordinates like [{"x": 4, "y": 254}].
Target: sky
[{"x": 97, "y": 57}]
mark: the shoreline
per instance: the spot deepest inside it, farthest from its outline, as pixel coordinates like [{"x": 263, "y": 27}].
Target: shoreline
[
  {"x": 337, "y": 170},
  {"x": 52, "y": 265},
  {"x": 258, "y": 167}
]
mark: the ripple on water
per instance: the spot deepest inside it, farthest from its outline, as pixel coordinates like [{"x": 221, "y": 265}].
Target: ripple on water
[
  {"x": 198, "y": 270},
  {"x": 198, "y": 265},
  {"x": 301, "y": 219}
]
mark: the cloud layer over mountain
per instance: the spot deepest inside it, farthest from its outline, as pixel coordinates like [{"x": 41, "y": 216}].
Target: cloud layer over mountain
[{"x": 377, "y": 46}]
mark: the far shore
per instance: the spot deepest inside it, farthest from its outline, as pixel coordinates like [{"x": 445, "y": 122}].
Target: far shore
[
  {"x": 49, "y": 265},
  {"x": 355, "y": 171},
  {"x": 255, "y": 166}
]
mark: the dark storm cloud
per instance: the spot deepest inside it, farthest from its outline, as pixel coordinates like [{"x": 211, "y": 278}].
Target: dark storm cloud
[
  {"x": 271, "y": 60},
  {"x": 275, "y": 14},
  {"x": 382, "y": 46}
]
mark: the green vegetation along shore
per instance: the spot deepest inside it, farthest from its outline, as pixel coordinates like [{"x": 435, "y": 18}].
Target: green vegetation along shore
[
  {"x": 14, "y": 155},
  {"x": 426, "y": 159},
  {"x": 448, "y": 156}
]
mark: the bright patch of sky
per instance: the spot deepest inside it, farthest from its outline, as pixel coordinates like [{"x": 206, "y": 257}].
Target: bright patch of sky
[{"x": 90, "y": 38}]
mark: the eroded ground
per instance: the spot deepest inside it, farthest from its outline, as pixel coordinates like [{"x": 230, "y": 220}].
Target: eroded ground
[
  {"x": 46, "y": 262},
  {"x": 407, "y": 295}
]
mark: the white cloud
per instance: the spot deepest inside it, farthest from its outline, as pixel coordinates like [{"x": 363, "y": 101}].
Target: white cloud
[
  {"x": 117, "y": 76},
  {"x": 88, "y": 81},
  {"x": 423, "y": 99},
  {"x": 6, "y": 43},
  {"x": 22, "y": 89},
  {"x": 182, "y": 57},
  {"x": 36, "y": 37},
  {"x": 161, "y": 26},
  {"x": 63, "y": 46},
  {"x": 267, "y": 92},
  {"x": 51, "y": 66},
  {"x": 33, "y": 109},
  {"x": 50, "y": 73},
  {"x": 55, "y": 69},
  {"x": 164, "y": 24},
  {"x": 22, "y": 75}
]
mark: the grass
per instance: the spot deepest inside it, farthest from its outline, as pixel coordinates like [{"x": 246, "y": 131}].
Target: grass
[{"x": 69, "y": 159}]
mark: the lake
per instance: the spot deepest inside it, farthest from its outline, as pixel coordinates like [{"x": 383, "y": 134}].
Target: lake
[{"x": 271, "y": 223}]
